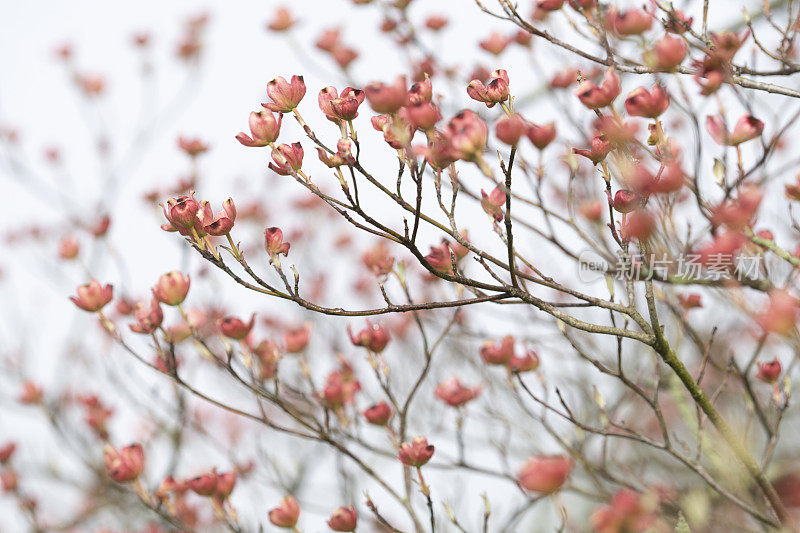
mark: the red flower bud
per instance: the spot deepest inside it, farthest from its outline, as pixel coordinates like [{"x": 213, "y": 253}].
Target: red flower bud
[
  {"x": 769, "y": 372},
  {"x": 467, "y": 134},
  {"x": 455, "y": 394},
  {"x": 124, "y": 465},
  {"x": 385, "y": 98},
  {"x": 204, "y": 484},
  {"x": 747, "y": 127},
  {"x": 541, "y": 136},
  {"x": 285, "y": 95},
  {"x": 343, "y": 519},
  {"x": 286, "y": 514},
  {"x": 630, "y": 22},
  {"x": 595, "y": 97},
  {"x": 435, "y": 22},
  {"x": 373, "y": 337},
  {"x": 498, "y": 354},
  {"x": 440, "y": 259},
  {"x": 509, "y": 129},
  {"x": 417, "y": 453},
  {"x": 495, "y": 43},
  {"x": 527, "y": 363},
  {"x": 379, "y": 414},
  {"x": 171, "y": 288},
  {"x": 625, "y": 201},
  {"x": 494, "y": 92},
  {"x": 423, "y": 115},
  {"x": 147, "y": 318},
  {"x": 378, "y": 259},
  {"x": 273, "y": 242},
  {"x": 545, "y": 474},
  {"x": 226, "y": 481},
  {"x": 264, "y": 128},
  {"x": 329, "y": 40},
  {"x": 343, "y": 155},
  {"x": 222, "y": 222},
  {"x": 288, "y": 159},
  {"x": 641, "y": 103},
  {"x": 493, "y": 203},
  {"x": 420, "y": 91},
  {"x": 281, "y": 20},
  {"x": 192, "y": 146},
  {"x": 340, "y": 107},
  {"x": 295, "y": 340},
  {"x": 68, "y": 248},
  {"x": 6, "y": 451},
  {"x": 234, "y": 328},
  {"x": 668, "y": 53},
  {"x": 599, "y": 149},
  {"x": 92, "y": 296}
]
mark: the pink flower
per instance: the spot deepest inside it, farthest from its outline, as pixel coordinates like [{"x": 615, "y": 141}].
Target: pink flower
[
  {"x": 455, "y": 394},
  {"x": 417, "y": 453},
  {"x": 668, "y": 53},
  {"x": 181, "y": 213},
  {"x": 545, "y": 474},
  {"x": 495, "y": 43},
  {"x": 296, "y": 339},
  {"x": 378, "y": 414},
  {"x": 440, "y": 259},
  {"x": 626, "y": 511},
  {"x": 541, "y": 136},
  {"x": 171, "y": 288},
  {"x": 625, "y": 201},
  {"x": 6, "y": 451},
  {"x": 147, "y": 318},
  {"x": 343, "y": 155},
  {"x": 68, "y": 248},
  {"x": 286, "y": 514},
  {"x": 440, "y": 152},
  {"x": 769, "y": 372},
  {"x": 285, "y": 96},
  {"x": 509, "y": 129},
  {"x": 343, "y": 519},
  {"x": 780, "y": 315},
  {"x": 192, "y": 146},
  {"x": 420, "y": 91},
  {"x": 378, "y": 259},
  {"x": 282, "y": 20},
  {"x": 373, "y": 337},
  {"x": 385, "y": 98},
  {"x": 595, "y": 97},
  {"x": 222, "y": 222},
  {"x": 338, "y": 107},
  {"x": 288, "y": 159},
  {"x": 422, "y": 115},
  {"x": 494, "y": 92},
  {"x": 124, "y": 465},
  {"x": 493, "y": 203},
  {"x": 264, "y": 128},
  {"x": 649, "y": 104},
  {"x": 435, "y": 22},
  {"x": 273, "y": 242},
  {"x": 467, "y": 134},
  {"x": 92, "y": 296},
  {"x": 527, "y": 363},
  {"x": 234, "y": 328},
  {"x": 630, "y": 22},
  {"x": 31, "y": 394},
  {"x": 498, "y": 354},
  {"x": 747, "y": 127}
]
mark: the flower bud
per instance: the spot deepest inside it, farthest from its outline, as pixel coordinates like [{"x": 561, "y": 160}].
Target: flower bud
[
  {"x": 124, "y": 465},
  {"x": 541, "y": 136},
  {"x": 769, "y": 372},
  {"x": 678, "y": 22},
  {"x": 295, "y": 340},
  {"x": 286, "y": 514},
  {"x": 417, "y": 453},
  {"x": 192, "y": 146},
  {"x": 222, "y": 222},
  {"x": 273, "y": 242},
  {"x": 234, "y": 328},
  {"x": 147, "y": 318},
  {"x": 690, "y": 301},
  {"x": 747, "y": 127},
  {"x": 343, "y": 519},
  {"x": 385, "y": 98},
  {"x": 282, "y": 20},
  {"x": 494, "y": 92},
  {"x": 285, "y": 95},
  {"x": 498, "y": 354},
  {"x": 455, "y": 394},
  {"x": 288, "y": 159},
  {"x": 440, "y": 259},
  {"x": 545, "y": 474},
  {"x": 264, "y": 128},
  {"x": 423, "y": 115},
  {"x": 527, "y": 363},
  {"x": 495, "y": 44},
  {"x": 780, "y": 316},
  {"x": 595, "y": 97},
  {"x": 668, "y": 53},
  {"x": 92, "y": 296},
  {"x": 493, "y": 203},
  {"x": 343, "y": 155},
  {"x": 467, "y": 134},
  {"x": 9, "y": 480},
  {"x": 373, "y": 337},
  {"x": 509, "y": 129},
  {"x": 435, "y": 22},
  {"x": 31, "y": 394},
  {"x": 378, "y": 414},
  {"x": 625, "y": 201},
  {"x": 340, "y": 107},
  {"x": 171, "y": 288},
  {"x": 6, "y": 451},
  {"x": 641, "y": 103},
  {"x": 420, "y": 91},
  {"x": 68, "y": 248},
  {"x": 204, "y": 484},
  {"x": 226, "y": 481},
  {"x": 630, "y": 22}
]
